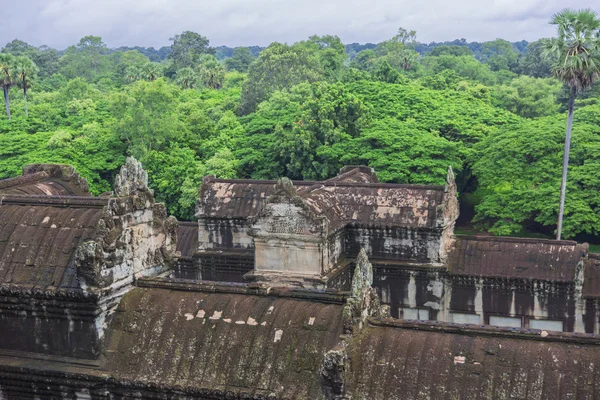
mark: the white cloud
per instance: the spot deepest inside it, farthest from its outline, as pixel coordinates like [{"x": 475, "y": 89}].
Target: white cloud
[{"x": 60, "y": 23}]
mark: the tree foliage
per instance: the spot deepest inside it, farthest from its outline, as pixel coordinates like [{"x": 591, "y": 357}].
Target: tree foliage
[
  {"x": 519, "y": 173},
  {"x": 240, "y": 60},
  {"x": 304, "y": 110},
  {"x": 187, "y": 48}
]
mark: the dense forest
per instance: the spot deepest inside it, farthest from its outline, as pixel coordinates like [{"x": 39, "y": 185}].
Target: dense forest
[{"x": 493, "y": 111}]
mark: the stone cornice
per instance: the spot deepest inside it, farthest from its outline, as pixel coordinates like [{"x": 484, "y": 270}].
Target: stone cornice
[{"x": 55, "y": 201}]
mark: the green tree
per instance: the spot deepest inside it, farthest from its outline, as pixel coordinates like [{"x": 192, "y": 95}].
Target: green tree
[
  {"x": 533, "y": 62},
  {"x": 279, "y": 67},
  {"x": 127, "y": 62},
  {"x": 518, "y": 170},
  {"x": 26, "y": 72},
  {"x": 88, "y": 59},
  {"x": 7, "y": 77},
  {"x": 211, "y": 72},
  {"x": 145, "y": 116},
  {"x": 19, "y": 48},
  {"x": 399, "y": 51},
  {"x": 365, "y": 60},
  {"x": 133, "y": 73},
  {"x": 176, "y": 174},
  {"x": 240, "y": 60},
  {"x": 577, "y": 52},
  {"x": 47, "y": 61},
  {"x": 466, "y": 66},
  {"x": 151, "y": 71},
  {"x": 500, "y": 55},
  {"x": 92, "y": 149},
  {"x": 331, "y": 53},
  {"x": 451, "y": 51},
  {"x": 403, "y": 152},
  {"x": 44, "y": 57},
  {"x": 528, "y": 97},
  {"x": 223, "y": 164},
  {"x": 187, "y": 48},
  {"x": 292, "y": 133},
  {"x": 186, "y": 78},
  {"x": 385, "y": 73}
]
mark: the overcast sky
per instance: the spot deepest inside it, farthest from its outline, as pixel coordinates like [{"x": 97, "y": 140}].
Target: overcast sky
[{"x": 60, "y": 23}]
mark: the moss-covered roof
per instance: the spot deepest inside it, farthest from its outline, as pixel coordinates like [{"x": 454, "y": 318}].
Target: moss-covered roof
[{"x": 223, "y": 341}]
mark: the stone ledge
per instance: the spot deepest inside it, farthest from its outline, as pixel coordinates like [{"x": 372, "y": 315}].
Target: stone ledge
[
  {"x": 322, "y": 296},
  {"x": 487, "y": 330},
  {"x": 55, "y": 201}
]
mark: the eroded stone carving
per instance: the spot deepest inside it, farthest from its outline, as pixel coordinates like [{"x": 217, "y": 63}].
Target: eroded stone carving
[
  {"x": 333, "y": 369},
  {"x": 131, "y": 178},
  {"x": 364, "y": 302},
  {"x": 134, "y": 238},
  {"x": 287, "y": 237},
  {"x": 448, "y": 216}
]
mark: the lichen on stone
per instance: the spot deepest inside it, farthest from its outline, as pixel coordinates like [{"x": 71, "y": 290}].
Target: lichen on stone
[
  {"x": 364, "y": 301},
  {"x": 131, "y": 178}
]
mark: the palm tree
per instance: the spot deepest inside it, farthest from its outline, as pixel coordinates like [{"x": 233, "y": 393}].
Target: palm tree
[
  {"x": 132, "y": 73},
  {"x": 7, "y": 78},
  {"x": 576, "y": 52},
  {"x": 213, "y": 74},
  {"x": 186, "y": 78},
  {"x": 151, "y": 71},
  {"x": 26, "y": 72}
]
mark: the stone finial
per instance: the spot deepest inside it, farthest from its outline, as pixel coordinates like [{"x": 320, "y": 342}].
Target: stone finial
[
  {"x": 285, "y": 186},
  {"x": 356, "y": 173},
  {"x": 131, "y": 178},
  {"x": 363, "y": 301},
  {"x": 450, "y": 181},
  {"x": 363, "y": 275},
  {"x": 333, "y": 370}
]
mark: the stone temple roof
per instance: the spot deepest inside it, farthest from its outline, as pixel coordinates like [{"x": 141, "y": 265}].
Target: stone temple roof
[
  {"x": 187, "y": 238},
  {"x": 430, "y": 360},
  {"x": 354, "y": 196},
  {"x": 45, "y": 214},
  {"x": 506, "y": 257},
  {"x": 223, "y": 342},
  {"x": 591, "y": 282},
  {"x": 47, "y": 180},
  {"x": 37, "y": 243},
  {"x": 176, "y": 338}
]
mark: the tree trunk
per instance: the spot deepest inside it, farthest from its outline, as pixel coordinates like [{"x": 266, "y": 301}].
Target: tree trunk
[
  {"x": 7, "y": 102},
  {"x": 563, "y": 185},
  {"x": 25, "y": 100}
]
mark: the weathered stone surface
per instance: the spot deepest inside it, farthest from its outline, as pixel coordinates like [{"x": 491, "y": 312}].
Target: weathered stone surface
[
  {"x": 181, "y": 339},
  {"x": 224, "y": 342},
  {"x": 311, "y": 228},
  {"x": 46, "y": 180},
  {"x": 516, "y": 258},
  {"x": 131, "y": 178},
  {"x": 333, "y": 371},
  {"x": 591, "y": 283},
  {"x": 363, "y": 302},
  {"x": 66, "y": 260},
  {"x": 287, "y": 237},
  {"x": 411, "y": 360},
  {"x": 173, "y": 338}
]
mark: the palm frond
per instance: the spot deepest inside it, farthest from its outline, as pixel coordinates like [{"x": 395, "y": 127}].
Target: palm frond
[{"x": 576, "y": 50}]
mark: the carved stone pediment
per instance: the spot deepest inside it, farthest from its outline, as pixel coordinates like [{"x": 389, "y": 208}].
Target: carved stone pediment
[{"x": 285, "y": 213}]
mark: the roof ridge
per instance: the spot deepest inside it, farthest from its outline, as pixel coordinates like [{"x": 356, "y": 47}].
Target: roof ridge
[
  {"x": 55, "y": 200},
  {"x": 332, "y": 183},
  {"x": 22, "y": 179},
  {"x": 517, "y": 239},
  {"x": 488, "y": 330},
  {"x": 250, "y": 289}
]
